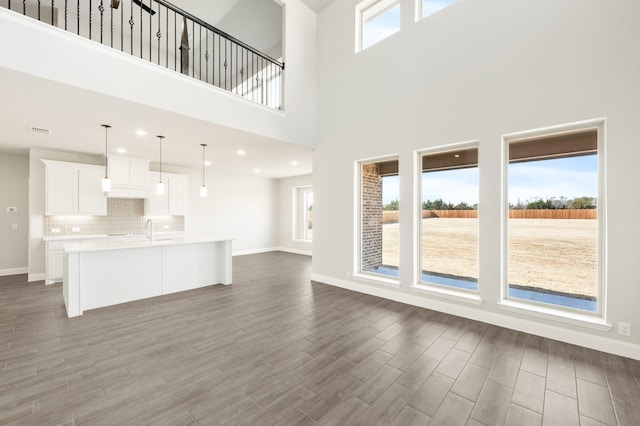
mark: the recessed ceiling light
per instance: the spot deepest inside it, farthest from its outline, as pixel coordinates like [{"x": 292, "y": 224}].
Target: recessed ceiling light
[
  {"x": 207, "y": 163},
  {"x": 294, "y": 163},
  {"x": 241, "y": 152},
  {"x": 141, "y": 132},
  {"x": 457, "y": 155},
  {"x": 256, "y": 170},
  {"x": 121, "y": 150}
]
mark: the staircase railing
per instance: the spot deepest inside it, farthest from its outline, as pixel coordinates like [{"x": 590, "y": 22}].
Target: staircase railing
[{"x": 161, "y": 33}]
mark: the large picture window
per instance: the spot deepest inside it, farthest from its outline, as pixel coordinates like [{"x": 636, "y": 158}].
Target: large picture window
[
  {"x": 554, "y": 233},
  {"x": 379, "y": 210},
  {"x": 449, "y": 218}
]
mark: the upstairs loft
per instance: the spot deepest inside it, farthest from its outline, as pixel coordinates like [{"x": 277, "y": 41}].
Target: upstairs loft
[
  {"x": 53, "y": 69},
  {"x": 164, "y": 34}
]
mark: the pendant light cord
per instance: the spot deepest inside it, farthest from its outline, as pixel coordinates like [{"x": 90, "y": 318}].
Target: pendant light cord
[{"x": 106, "y": 151}]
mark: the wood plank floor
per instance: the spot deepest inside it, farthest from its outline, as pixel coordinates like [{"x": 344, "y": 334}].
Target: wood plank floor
[{"x": 274, "y": 348}]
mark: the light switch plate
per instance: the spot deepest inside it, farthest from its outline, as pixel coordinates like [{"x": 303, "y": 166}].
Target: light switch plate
[{"x": 75, "y": 229}]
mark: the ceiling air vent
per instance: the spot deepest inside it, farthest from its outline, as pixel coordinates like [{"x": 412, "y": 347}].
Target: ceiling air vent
[{"x": 39, "y": 130}]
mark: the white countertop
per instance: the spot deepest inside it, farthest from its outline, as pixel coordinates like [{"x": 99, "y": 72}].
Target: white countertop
[
  {"x": 89, "y": 246},
  {"x": 105, "y": 236}
]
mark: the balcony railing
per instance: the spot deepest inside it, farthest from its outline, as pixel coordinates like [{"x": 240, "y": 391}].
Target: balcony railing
[{"x": 161, "y": 33}]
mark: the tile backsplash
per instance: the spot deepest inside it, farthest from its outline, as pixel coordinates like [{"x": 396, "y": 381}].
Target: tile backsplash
[{"x": 124, "y": 216}]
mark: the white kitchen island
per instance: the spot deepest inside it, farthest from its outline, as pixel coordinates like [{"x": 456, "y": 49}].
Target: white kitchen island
[{"x": 105, "y": 273}]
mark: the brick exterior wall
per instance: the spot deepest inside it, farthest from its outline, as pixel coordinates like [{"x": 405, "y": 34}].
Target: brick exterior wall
[{"x": 371, "y": 217}]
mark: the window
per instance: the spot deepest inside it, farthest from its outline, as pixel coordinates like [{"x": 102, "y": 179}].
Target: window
[
  {"x": 449, "y": 219},
  {"x": 303, "y": 213},
  {"x": 377, "y": 20},
  {"x": 429, "y": 7},
  {"x": 379, "y": 210},
  {"x": 554, "y": 232}
]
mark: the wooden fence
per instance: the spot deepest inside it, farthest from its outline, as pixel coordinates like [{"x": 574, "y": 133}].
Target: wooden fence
[{"x": 391, "y": 216}]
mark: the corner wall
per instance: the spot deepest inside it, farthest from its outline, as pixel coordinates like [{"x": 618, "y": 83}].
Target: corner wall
[
  {"x": 14, "y": 187},
  {"x": 477, "y": 71}
]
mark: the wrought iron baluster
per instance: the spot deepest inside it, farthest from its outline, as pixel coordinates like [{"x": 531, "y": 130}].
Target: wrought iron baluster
[
  {"x": 101, "y": 9},
  {"x": 78, "y": 28},
  {"x": 225, "y": 64},
  {"x": 206, "y": 56},
  {"x": 24, "y": 7},
  {"x": 121, "y": 28},
  {"x": 193, "y": 57},
  {"x": 175, "y": 41},
  {"x": 66, "y": 13},
  {"x": 38, "y": 10},
  {"x": 219, "y": 63},
  {"x": 111, "y": 13},
  {"x": 140, "y": 32},
  {"x": 200, "y": 54},
  {"x": 150, "y": 28},
  {"x": 166, "y": 57},
  {"x": 52, "y": 9},
  {"x": 236, "y": 87},
  {"x": 131, "y": 23},
  {"x": 159, "y": 33}
]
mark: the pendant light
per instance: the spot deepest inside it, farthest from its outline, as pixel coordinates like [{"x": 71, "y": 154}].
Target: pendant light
[
  {"x": 203, "y": 188},
  {"x": 106, "y": 182},
  {"x": 160, "y": 184}
]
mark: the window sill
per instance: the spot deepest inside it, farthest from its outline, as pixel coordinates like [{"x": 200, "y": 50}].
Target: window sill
[
  {"x": 459, "y": 296},
  {"x": 375, "y": 279},
  {"x": 589, "y": 321}
]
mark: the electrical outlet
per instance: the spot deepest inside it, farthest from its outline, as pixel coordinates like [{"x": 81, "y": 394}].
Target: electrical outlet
[
  {"x": 12, "y": 210},
  {"x": 55, "y": 230},
  {"x": 74, "y": 229},
  {"x": 624, "y": 328},
  {"x": 348, "y": 274},
  {"x": 166, "y": 226}
]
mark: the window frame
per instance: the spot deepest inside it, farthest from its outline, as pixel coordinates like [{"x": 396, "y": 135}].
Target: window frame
[
  {"x": 300, "y": 194},
  {"x": 361, "y": 9},
  {"x": 547, "y": 310},
  {"x": 467, "y": 295},
  {"x": 358, "y": 272},
  {"x": 419, "y": 9}
]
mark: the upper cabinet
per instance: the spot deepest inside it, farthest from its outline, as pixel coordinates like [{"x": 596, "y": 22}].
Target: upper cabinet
[
  {"x": 174, "y": 200},
  {"x": 73, "y": 189},
  {"x": 128, "y": 177}
]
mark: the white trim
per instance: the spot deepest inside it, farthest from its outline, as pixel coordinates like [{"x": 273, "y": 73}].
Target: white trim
[
  {"x": 269, "y": 250},
  {"x": 605, "y": 344},
  {"x": 36, "y": 277},
  {"x": 459, "y": 296},
  {"x": 376, "y": 279},
  {"x": 294, "y": 251},
  {"x": 553, "y": 314},
  {"x": 560, "y": 313},
  {"x": 253, "y": 251},
  {"x": 13, "y": 271}
]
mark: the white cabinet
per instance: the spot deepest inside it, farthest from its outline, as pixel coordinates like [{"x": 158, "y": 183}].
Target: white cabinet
[
  {"x": 54, "y": 262},
  {"x": 174, "y": 200},
  {"x": 128, "y": 177},
  {"x": 74, "y": 189}
]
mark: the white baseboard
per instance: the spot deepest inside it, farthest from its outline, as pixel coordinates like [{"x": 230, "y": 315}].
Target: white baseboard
[
  {"x": 253, "y": 251},
  {"x": 36, "y": 277},
  {"x": 294, "y": 251},
  {"x": 586, "y": 340},
  {"x": 270, "y": 249},
  {"x": 13, "y": 271}
]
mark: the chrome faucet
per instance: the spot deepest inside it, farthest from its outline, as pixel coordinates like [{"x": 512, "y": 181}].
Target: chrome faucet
[{"x": 150, "y": 225}]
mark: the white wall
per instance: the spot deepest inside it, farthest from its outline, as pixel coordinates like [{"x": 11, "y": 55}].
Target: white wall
[
  {"x": 54, "y": 54},
  {"x": 243, "y": 207},
  {"x": 14, "y": 187},
  {"x": 286, "y": 240},
  {"x": 478, "y": 70}
]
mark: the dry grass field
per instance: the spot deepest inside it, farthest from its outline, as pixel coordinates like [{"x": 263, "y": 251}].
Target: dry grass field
[{"x": 558, "y": 255}]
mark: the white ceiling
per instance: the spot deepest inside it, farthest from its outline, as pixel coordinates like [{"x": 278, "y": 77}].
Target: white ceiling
[
  {"x": 317, "y": 5},
  {"x": 74, "y": 117}
]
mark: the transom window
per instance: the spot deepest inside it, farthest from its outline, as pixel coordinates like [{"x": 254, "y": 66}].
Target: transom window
[
  {"x": 429, "y": 7},
  {"x": 377, "y": 20}
]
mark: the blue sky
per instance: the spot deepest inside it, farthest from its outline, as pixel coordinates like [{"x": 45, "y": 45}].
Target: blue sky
[
  {"x": 563, "y": 177},
  {"x": 381, "y": 27}
]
